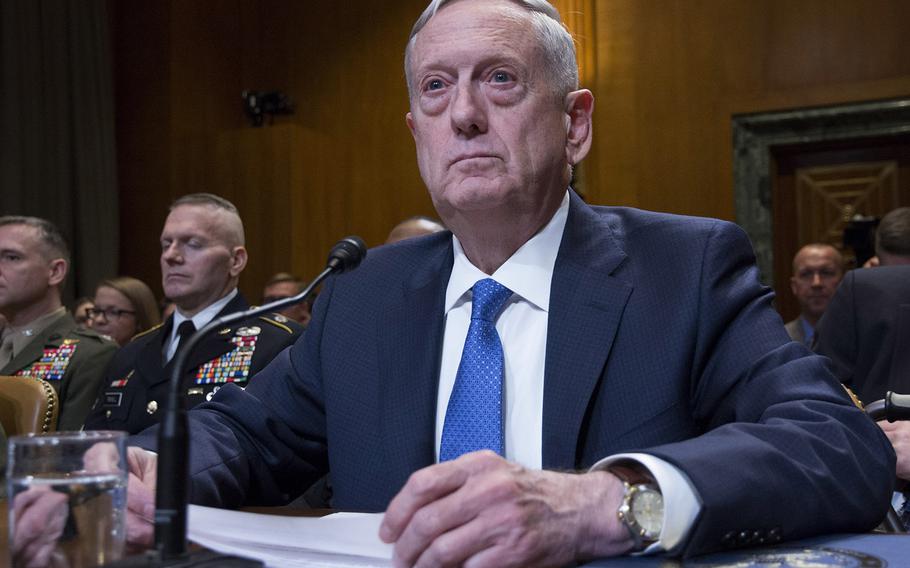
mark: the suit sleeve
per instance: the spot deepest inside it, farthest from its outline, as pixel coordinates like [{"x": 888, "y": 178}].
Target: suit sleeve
[
  {"x": 835, "y": 336},
  {"x": 784, "y": 453}
]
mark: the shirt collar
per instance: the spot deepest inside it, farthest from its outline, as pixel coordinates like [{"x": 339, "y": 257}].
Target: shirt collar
[
  {"x": 528, "y": 272},
  {"x": 23, "y": 335},
  {"x": 202, "y": 318}
]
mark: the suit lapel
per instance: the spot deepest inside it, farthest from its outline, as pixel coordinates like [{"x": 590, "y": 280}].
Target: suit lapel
[
  {"x": 409, "y": 357},
  {"x": 586, "y": 306}
]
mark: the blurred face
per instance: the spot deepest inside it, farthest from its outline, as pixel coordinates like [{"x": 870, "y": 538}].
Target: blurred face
[
  {"x": 299, "y": 313},
  {"x": 113, "y": 315},
  {"x": 489, "y": 131},
  {"x": 28, "y": 276},
  {"x": 816, "y": 274},
  {"x": 199, "y": 262}
]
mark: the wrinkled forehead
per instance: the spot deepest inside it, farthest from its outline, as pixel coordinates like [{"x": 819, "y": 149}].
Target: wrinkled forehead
[{"x": 499, "y": 24}]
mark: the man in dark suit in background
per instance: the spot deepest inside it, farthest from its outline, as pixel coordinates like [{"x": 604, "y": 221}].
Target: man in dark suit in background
[
  {"x": 817, "y": 270},
  {"x": 41, "y": 339},
  {"x": 637, "y": 347},
  {"x": 202, "y": 256}
]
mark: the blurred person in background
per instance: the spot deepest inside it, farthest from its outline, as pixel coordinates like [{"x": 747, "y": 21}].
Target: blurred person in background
[
  {"x": 80, "y": 311},
  {"x": 284, "y": 285},
  {"x": 892, "y": 239},
  {"x": 416, "y": 226},
  {"x": 817, "y": 270},
  {"x": 123, "y": 307}
]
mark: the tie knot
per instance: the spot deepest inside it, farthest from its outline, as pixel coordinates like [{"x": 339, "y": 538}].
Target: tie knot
[
  {"x": 185, "y": 329},
  {"x": 489, "y": 298}
]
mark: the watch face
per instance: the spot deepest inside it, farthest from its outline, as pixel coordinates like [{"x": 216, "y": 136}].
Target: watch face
[{"x": 648, "y": 509}]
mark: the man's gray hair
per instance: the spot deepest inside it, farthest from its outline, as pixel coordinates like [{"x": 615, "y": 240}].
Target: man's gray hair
[
  {"x": 48, "y": 233},
  {"x": 893, "y": 233},
  {"x": 555, "y": 42}
]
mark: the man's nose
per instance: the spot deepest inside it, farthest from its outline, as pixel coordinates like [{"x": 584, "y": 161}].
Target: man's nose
[
  {"x": 468, "y": 111},
  {"x": 816, "y": 279},
  {"x": 170, "y": 254}
]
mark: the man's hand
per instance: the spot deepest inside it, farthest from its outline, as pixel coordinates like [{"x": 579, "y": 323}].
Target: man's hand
[
  {"x": 40, "y": 518},
  {"x": 481, "y": 510},
  {"x": 140, "y": 499},
  {"x": 899, "y": 435}
]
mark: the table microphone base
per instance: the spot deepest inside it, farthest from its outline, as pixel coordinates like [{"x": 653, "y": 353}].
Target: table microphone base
[{"x": 201, "y": 558}]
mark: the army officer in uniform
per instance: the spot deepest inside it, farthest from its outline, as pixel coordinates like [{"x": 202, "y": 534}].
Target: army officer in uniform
[
  {"x": 41, "y": 339},
  {"x": 202, "y": 256}
]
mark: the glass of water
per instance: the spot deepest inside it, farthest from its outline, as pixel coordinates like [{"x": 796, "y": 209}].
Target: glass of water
[{"x": 67, "y": 498}]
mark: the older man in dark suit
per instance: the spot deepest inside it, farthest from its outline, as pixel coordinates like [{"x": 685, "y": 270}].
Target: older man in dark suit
[{"x": 456, "y": 379}]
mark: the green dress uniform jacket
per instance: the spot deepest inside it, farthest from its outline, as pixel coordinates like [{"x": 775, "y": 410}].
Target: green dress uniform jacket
[
  {"x": 134, "y": 391},
  {"x": 72, "y": 360}
]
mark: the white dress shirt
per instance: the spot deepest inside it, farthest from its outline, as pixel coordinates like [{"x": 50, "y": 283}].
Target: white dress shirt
[
  {"x": 200, "y": 320},
  {"x": 522, "y": 328}
]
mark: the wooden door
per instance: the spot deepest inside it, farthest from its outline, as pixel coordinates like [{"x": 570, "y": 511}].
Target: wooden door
[{"x": 820, "y": 187}]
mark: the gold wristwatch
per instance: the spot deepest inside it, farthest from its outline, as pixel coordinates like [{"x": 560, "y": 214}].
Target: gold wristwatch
[{"x": 642, "y": 508}]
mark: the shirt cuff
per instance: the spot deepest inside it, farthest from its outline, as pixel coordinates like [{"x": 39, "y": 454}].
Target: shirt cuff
[{"x": 681, "y": 502}]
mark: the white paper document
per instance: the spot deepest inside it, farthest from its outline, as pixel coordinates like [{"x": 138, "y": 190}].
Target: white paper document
[{"x": 342, "y": 539}]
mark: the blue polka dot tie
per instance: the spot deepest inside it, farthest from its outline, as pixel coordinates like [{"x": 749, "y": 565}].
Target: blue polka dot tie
[{"x": 474, "y": 415}]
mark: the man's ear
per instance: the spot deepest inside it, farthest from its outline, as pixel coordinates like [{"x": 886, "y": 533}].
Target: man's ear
[
  {"x": 238, "y": 260},
  {"x": 579, "y": 108},
  {"x": 57, "y": 273},
  {"x": 409, "y": 120},
  {"x": 793, "y": 285}
]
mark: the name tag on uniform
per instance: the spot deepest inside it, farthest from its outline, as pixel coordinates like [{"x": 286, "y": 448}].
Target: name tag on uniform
[{"x": 113, "y": 398}]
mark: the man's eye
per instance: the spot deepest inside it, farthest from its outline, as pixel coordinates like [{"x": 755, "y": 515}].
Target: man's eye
[
  {"x": 433, "y": 85},
  {"x": 501, "y": 77}
]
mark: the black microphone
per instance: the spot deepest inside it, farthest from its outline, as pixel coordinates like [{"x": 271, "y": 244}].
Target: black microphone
[
  {"x": 892, "y": 408},
  {"x": 171, "y": 493}
]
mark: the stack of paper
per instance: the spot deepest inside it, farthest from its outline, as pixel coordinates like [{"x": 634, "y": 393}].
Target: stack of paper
[{"x": 339, "y": 540}]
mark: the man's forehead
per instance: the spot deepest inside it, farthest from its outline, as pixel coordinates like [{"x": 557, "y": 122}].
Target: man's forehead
[
  {"x": 490, "y": 21},
  {"x": 19, "y": 236},
  {"x": 815, "y": 256},
  {"x": 192, "y": 219}
]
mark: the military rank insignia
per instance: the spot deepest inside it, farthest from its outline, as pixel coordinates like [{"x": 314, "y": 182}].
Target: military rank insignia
[
  {"x": 233, "y": 366},
  {"x": 53, "y": 362}
]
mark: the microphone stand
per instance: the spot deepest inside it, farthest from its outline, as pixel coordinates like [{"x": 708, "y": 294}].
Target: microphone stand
[{"x": 173, "y": 476}]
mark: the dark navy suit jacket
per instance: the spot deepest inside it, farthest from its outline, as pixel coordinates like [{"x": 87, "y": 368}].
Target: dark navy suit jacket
[
  {"x": 660, "y": 339},
  {"x": 866, "y": 331}
]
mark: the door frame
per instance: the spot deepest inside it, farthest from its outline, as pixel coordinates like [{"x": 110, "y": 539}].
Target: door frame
[{"x": 756, "y": 134}]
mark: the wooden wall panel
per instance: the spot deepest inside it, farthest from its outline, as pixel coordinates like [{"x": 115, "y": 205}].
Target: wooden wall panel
[{"x": 667, "y": 76}]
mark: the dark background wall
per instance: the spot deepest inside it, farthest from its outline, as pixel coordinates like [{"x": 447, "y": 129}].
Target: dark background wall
[{"x": 667, "y": 77}]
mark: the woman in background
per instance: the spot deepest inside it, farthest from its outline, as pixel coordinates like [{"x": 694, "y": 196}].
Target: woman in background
[{"x": 124, "y": 306}]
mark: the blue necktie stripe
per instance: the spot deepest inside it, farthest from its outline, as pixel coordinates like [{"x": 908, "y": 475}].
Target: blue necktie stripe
[{"x": 474, "y": 414}]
